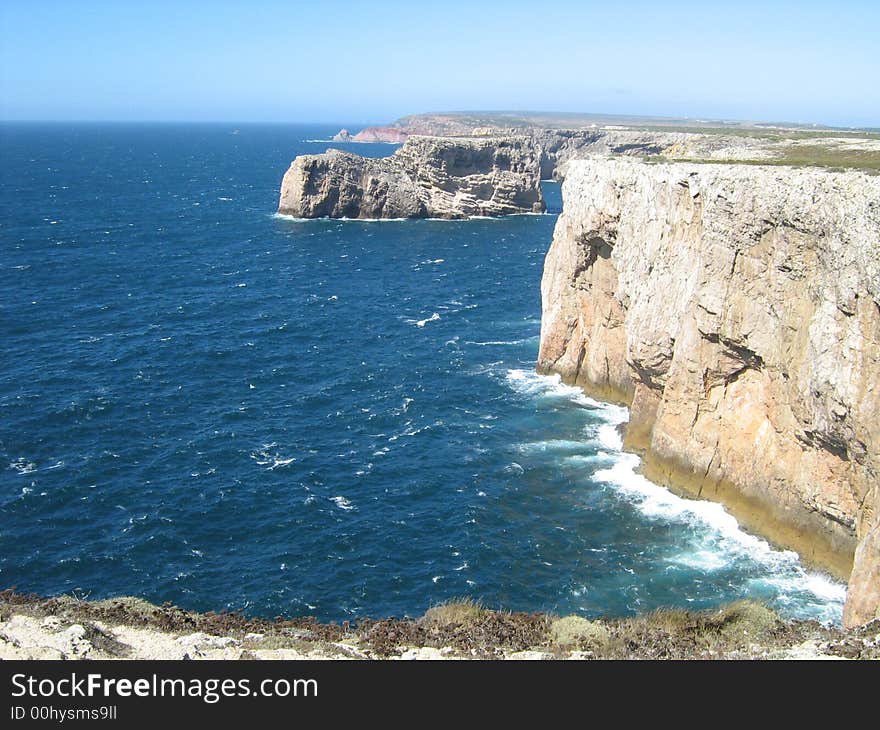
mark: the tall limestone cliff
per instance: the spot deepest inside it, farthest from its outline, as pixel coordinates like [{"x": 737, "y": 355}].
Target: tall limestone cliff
[
  {"x": 736, "y": 309},
  {"x": 428, "y": 177}
]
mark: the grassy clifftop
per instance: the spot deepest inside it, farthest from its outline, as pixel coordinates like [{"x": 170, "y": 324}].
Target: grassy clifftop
[{"x": 65, "y": 627}]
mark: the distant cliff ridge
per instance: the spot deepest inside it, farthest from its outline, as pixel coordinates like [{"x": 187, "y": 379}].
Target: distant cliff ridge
[
  {"x": 391, "y": 135},
  {"x": 563, "y": 137},
  {"x": 428, "y": 177},
  {"x": 736, "y": 309},
  {"x": 557, "y": 147}
]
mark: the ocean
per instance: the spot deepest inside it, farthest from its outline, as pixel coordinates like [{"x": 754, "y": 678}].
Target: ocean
[{"x": 205, "y": 403}]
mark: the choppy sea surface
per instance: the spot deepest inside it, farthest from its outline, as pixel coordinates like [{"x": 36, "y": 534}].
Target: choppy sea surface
[{"x": 204, "y": 403}]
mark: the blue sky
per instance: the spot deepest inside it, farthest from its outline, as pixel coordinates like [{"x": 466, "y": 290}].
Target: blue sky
[{"x": 370, "y": 62}]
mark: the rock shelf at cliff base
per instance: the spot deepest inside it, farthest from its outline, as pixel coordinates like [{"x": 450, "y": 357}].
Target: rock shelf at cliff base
[
  {"x": 736, "y": 310},
  {"x": 428, "y": 177}
]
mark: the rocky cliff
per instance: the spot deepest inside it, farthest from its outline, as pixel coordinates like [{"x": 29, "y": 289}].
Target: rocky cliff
[
  {"x": 427, "y": 177},
  {"x": 736, "y": 309}
]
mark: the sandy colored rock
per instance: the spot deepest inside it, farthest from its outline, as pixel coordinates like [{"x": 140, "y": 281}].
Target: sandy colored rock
[
  {"x": 389, "y": 135},
  {"x": 736, "y": 309},
  {"x": 429, "y": 177}
]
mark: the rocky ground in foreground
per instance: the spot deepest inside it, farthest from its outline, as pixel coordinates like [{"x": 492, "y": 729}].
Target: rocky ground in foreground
[{"x": 65, "y": 627}]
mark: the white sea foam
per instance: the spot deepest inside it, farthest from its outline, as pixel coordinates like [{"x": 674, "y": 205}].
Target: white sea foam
[
  {"x": 296, "y": 219},
  {"x": 342, "y": 503},
  {"x": 23, "y": 466},
  {"x": 656, "y": 502},
  {"x": 554, "y": 445},
  {"x": 823, "y": 587},
  {"x": 535, "y": 385},
  {"x": 588, "y": 460},
  {"x": 499, "y": 342},
  {"x": 422, "y": 322},
  {"x": 609, "y": 436},
  {"x": 270, "y": 458},
  {"x": 288, "y": 217},
  {"x": 715, "y": 540},
  {"x": 372, "y": 220}
]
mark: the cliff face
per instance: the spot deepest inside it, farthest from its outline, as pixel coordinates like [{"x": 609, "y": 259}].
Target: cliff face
[
  {"x": 736, "y": 309},
  {"x": 427, "y": 177}
]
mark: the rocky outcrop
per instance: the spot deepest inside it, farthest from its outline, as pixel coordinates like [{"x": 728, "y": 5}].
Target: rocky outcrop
[
  {"x": 428, "y": 177},
  {"x": 344, "y": 185},
  {"x": 343, "y": 135},
  {"x": 736, "y": 310}
]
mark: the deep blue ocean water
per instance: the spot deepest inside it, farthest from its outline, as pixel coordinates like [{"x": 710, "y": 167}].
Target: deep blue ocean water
[{"x": 204, "y": 403}]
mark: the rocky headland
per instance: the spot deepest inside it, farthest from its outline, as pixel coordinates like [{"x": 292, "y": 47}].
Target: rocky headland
[
  {"x": 428, "y": 177},
  {"x": 736, "y": 310},
  {"x": 563, "y": 137},
  {"x": 388, "y": 135}
]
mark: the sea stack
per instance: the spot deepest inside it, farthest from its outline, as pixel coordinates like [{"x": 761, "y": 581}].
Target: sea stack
[
  {"x": 736, "y": 310},
  {"x": 428, "y": 177}
]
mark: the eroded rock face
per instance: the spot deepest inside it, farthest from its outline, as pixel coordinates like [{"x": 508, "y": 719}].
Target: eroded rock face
[
  {"x": 736, "y": 309},
  {"x": 427, "y": 177}
]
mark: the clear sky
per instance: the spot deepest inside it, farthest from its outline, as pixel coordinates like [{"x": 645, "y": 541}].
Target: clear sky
[{"x": 339, "y": 61}]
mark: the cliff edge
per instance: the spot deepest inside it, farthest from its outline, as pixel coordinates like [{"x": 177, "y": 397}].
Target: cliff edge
[
  {"x": 428, "y": 177},
  {"x": 65, "y": 627},
  {"x": 736, "y": 310}
]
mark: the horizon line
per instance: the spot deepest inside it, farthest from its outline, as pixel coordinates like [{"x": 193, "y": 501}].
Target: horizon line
[{"x": 726, "y": 121}]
